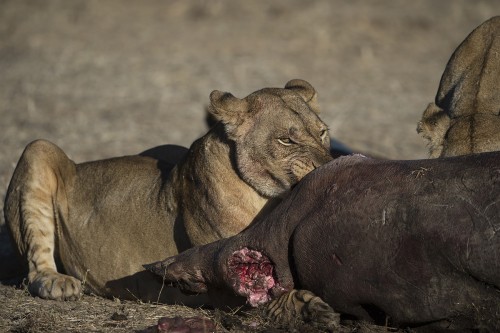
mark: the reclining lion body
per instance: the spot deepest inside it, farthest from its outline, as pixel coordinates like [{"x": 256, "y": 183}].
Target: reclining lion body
[
  {"x": 101, "y": 221},
  {"x": 465, "y": 117}
]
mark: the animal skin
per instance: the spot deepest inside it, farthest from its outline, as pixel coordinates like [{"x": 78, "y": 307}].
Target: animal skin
[
  {"x": 101, "y": 221},
  {"x": 465, "y": 117},
  {"x": 414, "y": 242}
]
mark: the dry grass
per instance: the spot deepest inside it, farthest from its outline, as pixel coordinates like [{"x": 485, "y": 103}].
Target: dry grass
[
  {"x": 22, "y": 313},
  {"x": 109, "y": 78}
]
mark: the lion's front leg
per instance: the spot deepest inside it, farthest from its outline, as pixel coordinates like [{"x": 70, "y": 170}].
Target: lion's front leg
[
  {"x": 35, "y": 195},
  {"x": 305, "y": 306}
]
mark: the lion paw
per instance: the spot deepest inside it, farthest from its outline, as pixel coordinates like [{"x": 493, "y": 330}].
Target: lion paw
[
  {"x": 56, "y": 286},
  {"x": 303, "y": 305}
]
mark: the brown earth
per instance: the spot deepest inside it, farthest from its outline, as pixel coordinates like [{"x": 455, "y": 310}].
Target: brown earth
[{"x": 109, "y": 78}]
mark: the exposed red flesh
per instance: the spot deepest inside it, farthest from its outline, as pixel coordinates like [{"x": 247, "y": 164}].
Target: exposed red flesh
[{"x": 252, "y": 275}]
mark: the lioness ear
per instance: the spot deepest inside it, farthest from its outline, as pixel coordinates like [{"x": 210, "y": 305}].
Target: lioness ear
[
  {"x": 305, "y": 90},
  {"x": 433, "y": 127},
  {"x": 227, "y": 108}
]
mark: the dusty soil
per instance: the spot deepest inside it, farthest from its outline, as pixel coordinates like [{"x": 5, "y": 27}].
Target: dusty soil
[{"x": 108, "y": 78}]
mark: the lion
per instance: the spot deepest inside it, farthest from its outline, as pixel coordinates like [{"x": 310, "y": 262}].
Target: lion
[
  {"x": 465, "y": 117},
  {"x": 99, "y": 222}
]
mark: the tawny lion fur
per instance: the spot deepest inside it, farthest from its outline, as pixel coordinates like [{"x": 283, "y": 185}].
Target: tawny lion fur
[{"x": 465, "y": 117}]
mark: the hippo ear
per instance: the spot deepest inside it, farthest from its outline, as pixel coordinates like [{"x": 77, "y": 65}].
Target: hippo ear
[
  {"x": 227, "y": 108},
  {"x": 305, "y": 90},
  {"x": 433, "y": 127}
]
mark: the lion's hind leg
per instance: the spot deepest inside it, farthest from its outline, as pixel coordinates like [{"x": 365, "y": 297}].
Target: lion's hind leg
[{"x": 35, "y": 194}]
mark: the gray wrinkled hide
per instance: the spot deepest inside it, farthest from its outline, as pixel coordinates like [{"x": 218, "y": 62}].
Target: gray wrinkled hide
[{"x": 416, "y": 241}]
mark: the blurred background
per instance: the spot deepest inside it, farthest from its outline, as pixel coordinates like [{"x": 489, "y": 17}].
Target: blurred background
[{"x": 108, "y": 78}]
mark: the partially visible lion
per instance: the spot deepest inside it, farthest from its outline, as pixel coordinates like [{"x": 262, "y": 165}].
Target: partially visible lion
[
  {"x": 465, "y": 117},
  {"x": 100, "y": 221}
]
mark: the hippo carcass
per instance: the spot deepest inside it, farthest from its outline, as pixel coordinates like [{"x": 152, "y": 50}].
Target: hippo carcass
[{"x": 416, "y": 241}]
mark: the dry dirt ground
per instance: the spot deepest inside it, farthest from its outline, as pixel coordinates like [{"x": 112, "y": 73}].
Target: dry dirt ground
[{"x": 108, "y": 78}]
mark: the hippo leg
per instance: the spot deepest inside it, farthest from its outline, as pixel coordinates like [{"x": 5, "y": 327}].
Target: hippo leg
[{"x": 304, "y": 305}]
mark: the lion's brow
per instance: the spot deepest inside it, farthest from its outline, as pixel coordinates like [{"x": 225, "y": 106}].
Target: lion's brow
[
  {"x": 301, "y": 115},
  {"x": 308, "y": 125}
]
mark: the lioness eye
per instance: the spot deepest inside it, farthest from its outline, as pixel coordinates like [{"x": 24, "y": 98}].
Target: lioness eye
[
  {"x": 323, "y": 134},
  {"x": 285, "y": 141}
]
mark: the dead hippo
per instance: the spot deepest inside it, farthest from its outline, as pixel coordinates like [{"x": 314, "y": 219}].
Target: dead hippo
[{"x": 413, "y": 242}]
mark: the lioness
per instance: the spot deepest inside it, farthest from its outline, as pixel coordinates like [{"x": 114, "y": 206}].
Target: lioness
[
  {"x": 465, "y": 117},
  {"x": 101, "y": 221}
]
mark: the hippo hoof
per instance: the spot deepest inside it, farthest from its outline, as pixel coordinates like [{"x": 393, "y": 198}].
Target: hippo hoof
[{"x": 303, "y": 305}]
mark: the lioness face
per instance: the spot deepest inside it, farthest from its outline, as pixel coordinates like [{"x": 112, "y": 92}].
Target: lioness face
[{"x": 278, "y": 135}]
